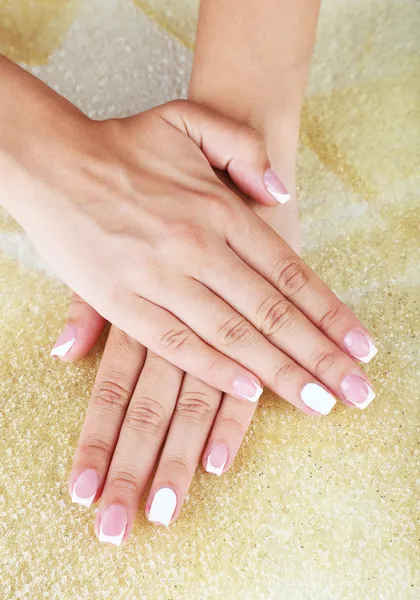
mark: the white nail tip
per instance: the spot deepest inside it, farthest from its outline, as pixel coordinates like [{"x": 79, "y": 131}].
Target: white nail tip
[
  {"x": 281, "y": 198},
  {"x": 163, "y": 506},
  {"x": 259, "y": 390},
  {"x": 315, "y": 397},
  {"x": 84, "y": 501},
  {"x": 63, "y": 349},
  {"x": 215, "y": 470},
  {"x": 111, "y": 539},
  {"x": 373, "y": 350},
  {"x": 370, "y": 398}
]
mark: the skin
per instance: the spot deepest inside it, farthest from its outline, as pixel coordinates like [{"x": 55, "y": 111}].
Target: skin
[
  {"x": 115, "y": 216},
  {"x": 144, "y": 413},
  {"x": 118, "y": 207}
]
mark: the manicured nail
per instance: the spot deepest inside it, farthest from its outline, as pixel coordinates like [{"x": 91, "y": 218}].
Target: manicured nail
[
  {"x": 85, "y": 487},
  {"x": 314, "y": 396},
  {"x": 247, "y": 388},
  {"x": 357, "y": 391},
  {"x": 113, "y": 525},
  {"x": 360, "y": 346},
  {"x": 276, "y": 187},
  {"x": 163, "y": 506},
  {"x": 65, "y": 342},
  {"x": 217, "y": 459}
]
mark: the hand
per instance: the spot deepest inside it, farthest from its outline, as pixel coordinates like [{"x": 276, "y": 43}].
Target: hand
[
  {"x": 139, "y": 403},
  {"x": 166, "y": 252}
]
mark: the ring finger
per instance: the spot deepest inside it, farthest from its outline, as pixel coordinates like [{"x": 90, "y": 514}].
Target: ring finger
[{"x": 193, "y": 417}]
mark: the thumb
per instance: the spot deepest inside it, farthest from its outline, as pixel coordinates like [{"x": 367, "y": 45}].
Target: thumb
[
  {"x": 81, "y": 332},
  {"x": 230, "y": 146}
]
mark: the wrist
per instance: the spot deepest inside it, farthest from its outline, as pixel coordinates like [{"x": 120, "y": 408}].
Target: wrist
[
  {"x": 35, "y": 156},
  {"x": 36, "y": 129}
]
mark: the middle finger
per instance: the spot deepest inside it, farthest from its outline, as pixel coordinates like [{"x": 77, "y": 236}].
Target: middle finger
[{"x": 141, "y": 437}]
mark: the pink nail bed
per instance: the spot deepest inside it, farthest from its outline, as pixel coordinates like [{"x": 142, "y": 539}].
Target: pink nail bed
[
  {"x": 217, "y": 459},
  {"x": 357, "y": 391},
  {"x": 360, "y": 346},
  {"x": 113, "y": 525},
  {"x": 85, "y": 488},
  {"x": 65, "y": 342},
  {"x": 275, "y": 187},
  {"x": 247, "y": 388}
]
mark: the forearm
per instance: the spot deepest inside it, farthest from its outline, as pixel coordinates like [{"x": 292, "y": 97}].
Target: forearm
[
  {"x": 34, "y": 121},
  {"x": 251, "y": 62}
]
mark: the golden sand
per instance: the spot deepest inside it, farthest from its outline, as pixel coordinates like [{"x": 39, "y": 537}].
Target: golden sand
[{"x": 312, "y": 509}]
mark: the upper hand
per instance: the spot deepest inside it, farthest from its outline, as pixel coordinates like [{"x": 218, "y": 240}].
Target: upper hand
[{"x": 147, "y": 234}]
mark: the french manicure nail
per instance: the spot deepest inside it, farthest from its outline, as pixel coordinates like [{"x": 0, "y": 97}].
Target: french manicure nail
[
  {"x": 163, "y": 506},
  {"x": 113, "y": 525},
  {"x": 357, "y": 391},
  {"x": 65, "y": 342},
  {"x": 315, "y": 397},
  {"x": 85, "y": 488},
  {"x": 360, "y": 346},
  {"x": 247, "y": 388},
  {"x": 217, "y": 459},
  {"x": 276, "y": 187}
]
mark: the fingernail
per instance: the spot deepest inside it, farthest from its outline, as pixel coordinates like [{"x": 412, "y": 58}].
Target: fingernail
[
  {"x": 360, "y": 346},
  {"x": 315, "y": 397},
  {"x": 113, "y": 525},
  {"x": 85, "y": 487},
  {"x": 217, "y": 459},
  {"x": 357, "y": 391},
  {"x": 276, "y": 187},
  {"x": 163, "y": 506},
  {"x": 247, "y": 388},
  {"x": 65, "y": 342}
]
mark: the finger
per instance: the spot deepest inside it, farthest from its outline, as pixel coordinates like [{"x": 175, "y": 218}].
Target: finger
[
  {"x": 263, "y": 250},
  {"x": 169, "y": 337},
  {"x": 231, "y": 146},
  {"x": 228, "y": 331},
  {"x": 81, "y": 332},
  {"x": 194, "y": 413},
  {"x": 288, "y": 328},
  {"x": 140, "y": 441},
  {"x": 229, "y": 428},
  {"x": 115, "y": 382}
]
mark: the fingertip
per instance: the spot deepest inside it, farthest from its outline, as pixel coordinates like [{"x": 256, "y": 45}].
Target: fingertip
[
  {"x": 215, "y": 460},
  {"x": 275, "y": 187}
]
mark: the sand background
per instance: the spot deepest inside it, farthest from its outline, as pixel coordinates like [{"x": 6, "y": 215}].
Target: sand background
[{"x": 313, "y": 509}]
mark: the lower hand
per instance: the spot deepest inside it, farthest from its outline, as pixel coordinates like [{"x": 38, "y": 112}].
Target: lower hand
[{"x": 141, "y": 403}]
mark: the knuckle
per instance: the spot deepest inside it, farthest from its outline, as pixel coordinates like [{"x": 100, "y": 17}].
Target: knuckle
[
  {"x": 146, "y": 415},
  {"x": 175, "y": 339},
  {"x": 96, "y": 447},
  {"x": 110, "y": 394},
  {"x": 186, "y": 237},
  {"x": 195, "y": 406},
  {"x": 122, "y": 342},
  {"x": 322, "y": 361},
  {"x": 177, "y": 465},
  {"x": 124, "y": 481},
  {"x": 284, "y": 373},
  {"x": 219, "y": 204},
  {"x": 331, "y": 316},
  {"x": 233, "y": 425},
  {"x": 291, "y": 277},
  {"x": 274, "y": 314},
  {"x": 235, "y": 332}
]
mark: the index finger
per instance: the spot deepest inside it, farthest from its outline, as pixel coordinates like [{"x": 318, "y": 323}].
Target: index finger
[{"x": 268, "y": 254}]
